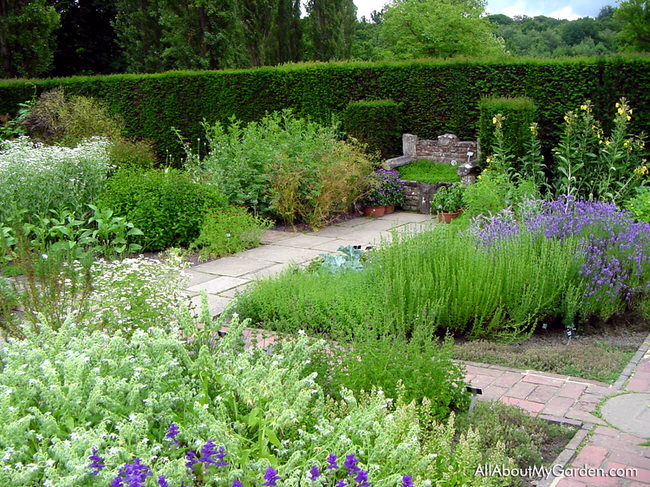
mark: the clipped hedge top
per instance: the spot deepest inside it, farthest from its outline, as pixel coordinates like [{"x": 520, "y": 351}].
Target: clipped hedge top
[{"x": 317, "y": 65}]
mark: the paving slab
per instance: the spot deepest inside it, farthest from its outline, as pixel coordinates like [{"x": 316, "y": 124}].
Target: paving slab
[
  {"x": 216, "y": 304},
  {"x": 218, "y": 284},
  {"x": 197, "y": 277},
  {"x": 233, "y": 266},
  {"x": 629, "y": 413},
  {"x": 306, "y": 241},
  {"x": 279, "y": 254}
]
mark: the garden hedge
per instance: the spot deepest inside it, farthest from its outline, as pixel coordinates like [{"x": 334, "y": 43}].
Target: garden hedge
[
  {"x": 435, "y": 96},
  {"x": 375, "y": 123}
]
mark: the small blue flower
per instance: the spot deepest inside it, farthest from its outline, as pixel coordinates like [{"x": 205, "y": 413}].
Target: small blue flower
[
  {"x": 191, "y": 459},
  {"x": 208, "y": 451},
  {"x": 362, "y": 478},
  {"x": 172, "y": 433},
  {"x": 314, "y": 473},
  {"x": 341, "y": 483},
  {"x": 95, "y": 463},
  {"x": 351, "y": 464},
  {"x": 271, "y": 477},
  {"x": 162, "y": 482},
  {"x": 331, "y": 462},
  {"x": 407, "y": 481},
  {"x": 237, "y": 483}
]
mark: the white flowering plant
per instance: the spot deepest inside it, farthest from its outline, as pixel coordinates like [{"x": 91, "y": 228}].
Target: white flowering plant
[{"x": 37, "y": 178}]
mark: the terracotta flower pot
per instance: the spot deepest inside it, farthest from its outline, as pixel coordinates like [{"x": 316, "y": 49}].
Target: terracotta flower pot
[
  {"x": 374, "y": 211},
  {"x": 390, "y": 209},
  {"x": 448, "y": 216}
]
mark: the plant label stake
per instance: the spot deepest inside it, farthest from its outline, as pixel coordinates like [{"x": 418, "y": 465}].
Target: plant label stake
[
  {"x": 569, "y": 334},
  {"x": 475, "y": 391}
]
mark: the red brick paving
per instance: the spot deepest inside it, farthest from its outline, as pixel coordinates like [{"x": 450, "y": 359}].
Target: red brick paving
[{"x": 568, "y": 398}]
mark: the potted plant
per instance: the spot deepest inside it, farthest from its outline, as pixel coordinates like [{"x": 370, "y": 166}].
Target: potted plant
[
  {"x": 448, "y": 201},
  {"x": 392, "y": 188}
]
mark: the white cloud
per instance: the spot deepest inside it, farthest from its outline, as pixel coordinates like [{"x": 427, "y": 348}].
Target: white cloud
[
  {"x": 565, "y": 13},
  {"x": 519, "y": 8}
]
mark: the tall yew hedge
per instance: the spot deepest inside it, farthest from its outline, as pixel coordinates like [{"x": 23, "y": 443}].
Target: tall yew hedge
[{"x": 435, "y": 97}]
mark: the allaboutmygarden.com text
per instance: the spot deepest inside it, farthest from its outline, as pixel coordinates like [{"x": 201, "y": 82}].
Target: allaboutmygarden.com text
[{"x": 547, "y": 472}]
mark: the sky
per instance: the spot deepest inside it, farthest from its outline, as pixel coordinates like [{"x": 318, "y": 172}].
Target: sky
[{"x": 561, "y": 9}]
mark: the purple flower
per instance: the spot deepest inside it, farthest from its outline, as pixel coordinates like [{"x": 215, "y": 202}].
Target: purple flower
[
  {"x": 271, "y": 477},
  {"x": 362, "y": 478},
  {"x": 191, "y": 459},
  {"x": 162, "y": 482},
  {"x": 341, "y": 483},
  {"x": 407, "y": 481},
  {"x": 331, "y": 462},
  {"x": 173, "y": 433},
  {"x": 351, "y": 464},
  {"x": 237, "y": 483},
  {"x": 133, "y": 474},
  {"x": 208, "y": 451},
  {"x": 95, "y": 463},
  {"x": 314, "y": 472}
]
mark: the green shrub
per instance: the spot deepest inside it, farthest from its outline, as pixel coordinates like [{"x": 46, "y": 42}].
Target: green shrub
[
  {"x": 128, "y": 154},
  {"x": 435, "y": 96},
  {"x": 229, "y": 230},
  {"x": 166, "y": 205},
  {"x": 494, "y": 192},
  {"x": 283, "y": 167},
  {"x": 639, "y": 206},
  {"x": 36, "y": 179},
  {"x": 430, "y": 172},
  {"x": 413, "y": 369},
  {"x": 375, "y": 123},
  {"x": 56, "y": 120},
  {"x": 518, "y": 114},
  {"x": 448, "y": 199}
]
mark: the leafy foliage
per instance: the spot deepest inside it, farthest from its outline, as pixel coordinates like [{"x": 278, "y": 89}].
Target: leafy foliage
[
  {"x": 111, "y": 396},
  {"x": 442, "y": 29},
  {"x": 517, "y": 114},
  {"x": 639, "y": 206},
  {"x": 166, "y": 205},
  {"x": 284, "y": 167},
  {"x": 448, "y": 199},
  {"x": 26, "y": 37},
  {"x": 229, "y": 230}
]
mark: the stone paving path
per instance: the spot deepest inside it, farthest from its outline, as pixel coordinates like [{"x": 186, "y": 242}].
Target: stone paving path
[
  {"x": 224, "y": 278},
  {"x": 612, "y": 442}
]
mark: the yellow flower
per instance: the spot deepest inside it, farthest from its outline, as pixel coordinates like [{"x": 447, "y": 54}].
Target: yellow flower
[
  {"x": 618, "y": 105},
  {"x": 629, "y": 118},
  {"x": 494, "y": 120},
  {"x": 641, "y": 170},
  {"x": 533, "y": 128},
  {"x": 607, "y": 142},
  {"x": 488, "y": 160},
  {"x": 583, "y": 107}
]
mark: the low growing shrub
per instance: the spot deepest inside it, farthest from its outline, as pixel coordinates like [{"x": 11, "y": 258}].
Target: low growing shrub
[
  {"x": 128, "y": 154},
  {"x": 430, "y": 172},
  {"x": 639, "y": 206},
  {"x": 166, "y": 205},
  {"x": 229, "y": 230}
]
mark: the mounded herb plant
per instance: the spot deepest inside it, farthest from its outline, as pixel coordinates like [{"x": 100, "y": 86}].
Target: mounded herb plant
[{"x": 425, "y": 171}]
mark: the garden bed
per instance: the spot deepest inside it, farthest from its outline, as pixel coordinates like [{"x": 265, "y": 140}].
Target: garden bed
[
  {"x": 422, "y": 179},
  {"x": 597, "y": 353}
]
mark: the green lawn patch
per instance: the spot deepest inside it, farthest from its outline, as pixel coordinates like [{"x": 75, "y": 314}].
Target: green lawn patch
[{"x": 430, "y": 172}]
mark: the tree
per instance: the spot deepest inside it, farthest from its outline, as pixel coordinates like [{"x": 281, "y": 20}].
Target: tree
[
  {"x": 439, "y": 28},
  {"x": 86, "y": 43},
  {"x": 139, "y": 34},
  {"x": 258, "y": 17},
  {"x": 635, "y": 18},
  {"x": 27, "y": 31},
  {"x": 288, "y": 32},
  {"x": 331, "y": 27}
]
